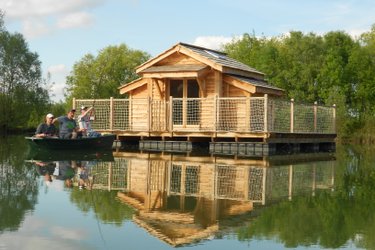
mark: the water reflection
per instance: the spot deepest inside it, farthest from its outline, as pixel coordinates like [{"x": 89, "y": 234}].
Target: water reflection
[
  {"x": 18, "y": 188},
  {"x": 312, "y": 200},
  {"x": 182, "y": 199}
]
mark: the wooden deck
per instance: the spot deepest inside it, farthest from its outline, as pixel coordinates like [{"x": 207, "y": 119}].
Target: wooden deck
[{"x": 243, "y": 119}]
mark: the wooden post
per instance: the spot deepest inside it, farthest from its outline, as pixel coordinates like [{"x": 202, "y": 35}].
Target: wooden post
[
  {"x": 111, "y": 113},
  {"x": 110, "y": 176},
  {"x": 264, "y": 179},
  {"x": 74, "y": 103},
  {"x": 314, "y": 179},
  {"x": 128, "y": 176},
  {"x": 149, "y": 114},
  {"x": 130, "y": 113},
  {"x": 266, "y": 113},
  {"x": 290, "y": 194},
  {"x": 334, "y": 118},
  {"x": 291, "y": 115},
  {"x": 216, "y": 113},
  {"x": 246, "y": 195},
  {"x": 171, "y": 115},
  {"x": 315, "y": 116}
]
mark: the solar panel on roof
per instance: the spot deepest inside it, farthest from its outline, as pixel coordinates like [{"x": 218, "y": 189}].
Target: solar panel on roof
[{"x": 217, "y": 55}]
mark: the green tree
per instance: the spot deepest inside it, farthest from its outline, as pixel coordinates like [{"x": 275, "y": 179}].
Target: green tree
[
  {"x": 23, "y": 96},
  {"x": 100, "y": 76},
  {"x": 331, "y": 69}
]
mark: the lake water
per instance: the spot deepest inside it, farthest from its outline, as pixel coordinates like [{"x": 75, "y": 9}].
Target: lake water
[{"x": 134, "y": 200}]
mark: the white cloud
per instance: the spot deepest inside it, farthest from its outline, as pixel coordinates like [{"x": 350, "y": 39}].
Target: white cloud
[
  {"x": 16, "y": 9},
  {"x": 58, "y": 69},
  {"x": 58, "y": 73},
  {"x": 212, "y": 42},
  {"x": 32, "y": 28},
  {"x": 41, "y": 17},
  {"x": 356, "y": 33},
  {"x": 73, "y": 20}
]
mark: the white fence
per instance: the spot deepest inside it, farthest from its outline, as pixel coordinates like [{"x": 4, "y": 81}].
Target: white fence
[{"x": 244, "y": 115}]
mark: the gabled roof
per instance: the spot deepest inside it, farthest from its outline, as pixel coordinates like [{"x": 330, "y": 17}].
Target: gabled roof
[
  {"x": 234, "y": 72},
  {"x": 213, "y": 58}
]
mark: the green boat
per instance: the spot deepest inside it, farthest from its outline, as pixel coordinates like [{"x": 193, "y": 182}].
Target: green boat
[{"x": 102, "y": 142}]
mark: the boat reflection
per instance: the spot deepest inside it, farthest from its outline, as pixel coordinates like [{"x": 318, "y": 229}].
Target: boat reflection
[
  {"x": 182, "y": 199},
  {"x": 62, "y": 155}
]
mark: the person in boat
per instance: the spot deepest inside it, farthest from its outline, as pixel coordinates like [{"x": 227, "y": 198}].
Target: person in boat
[
  {"x": 85, "y": 124},
  {"x": 68, "y": 126},
  {"x": 47, "y": 128}
]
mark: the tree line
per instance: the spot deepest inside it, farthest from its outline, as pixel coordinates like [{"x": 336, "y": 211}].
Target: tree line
[
  {"x": 333, "y": 68},
  {"x": 23, "y": 93}
]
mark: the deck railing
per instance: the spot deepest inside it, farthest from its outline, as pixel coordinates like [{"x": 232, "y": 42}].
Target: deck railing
[{"x": 242, "y": 114}]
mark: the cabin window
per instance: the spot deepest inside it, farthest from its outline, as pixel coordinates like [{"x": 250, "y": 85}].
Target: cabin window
[
  {"x": 177, "y": 88},
  {"x": 186, "y": 111}
]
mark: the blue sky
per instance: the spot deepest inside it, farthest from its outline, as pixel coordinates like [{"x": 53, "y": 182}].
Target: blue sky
[{"x": 63, "y": 31}]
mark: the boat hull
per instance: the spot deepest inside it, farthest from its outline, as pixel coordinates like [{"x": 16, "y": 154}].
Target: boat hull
[{"x": 102, "y": 142}]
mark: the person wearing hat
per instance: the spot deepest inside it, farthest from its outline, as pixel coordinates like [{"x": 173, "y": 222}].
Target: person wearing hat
[
  {"x": 47, "y": 128},
  {"x": 84, "y": 122},
  {"x": 67, "y": 126}
]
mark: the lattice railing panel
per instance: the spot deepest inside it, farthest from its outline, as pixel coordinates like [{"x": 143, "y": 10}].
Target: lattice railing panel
[
  {"x": 230, "y": 182},
  {"x": 110, "y": 175},
  {"x": 175, "y": 179},
  {"x": 232, "y": 114},
  {"x": 192, "y": 180},
  {"x": 303, "y": 118},
  {"x": 256, "y": 188},
  {"x": 278, "y": 115},
  {"x": 101, "y": 114},
  {"x": 184, "y": 179},
  {"x": 325, "y": 120},
  {"x": 121, "y": 114},
  {"x": 277, "y": 186},
  {"x": 257, "y": 114}
]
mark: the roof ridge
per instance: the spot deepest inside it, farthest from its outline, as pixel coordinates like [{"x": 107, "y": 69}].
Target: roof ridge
[{"x": 203, "y": 48}]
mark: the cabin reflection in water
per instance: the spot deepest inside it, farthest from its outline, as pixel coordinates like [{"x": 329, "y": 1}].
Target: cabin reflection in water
[{"x": 182, "y": 200}]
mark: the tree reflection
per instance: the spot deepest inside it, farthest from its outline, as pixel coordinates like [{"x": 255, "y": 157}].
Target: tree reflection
[
  {"x": 329, "y": 219},
  {"x": 18, "y": 183},
  {"x": 101, "y": 202}
]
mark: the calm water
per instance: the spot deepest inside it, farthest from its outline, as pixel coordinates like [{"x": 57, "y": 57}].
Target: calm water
[{"x": 132, "y": 200}]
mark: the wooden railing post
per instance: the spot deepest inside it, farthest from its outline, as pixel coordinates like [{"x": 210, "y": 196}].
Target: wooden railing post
[
  {"x": 291, "y": 115},
  {"x": 334, "y": 118},
  {"x": 149, "y": 114},
  {"x": 315, "y": 116},
  {"x": 171, "y": 114},
  {"x": 74, "y": 103},
  {"x": 111, "y": 113},
  {"x": 266, "y": 113},
  {"x": 216, "y": 113}
]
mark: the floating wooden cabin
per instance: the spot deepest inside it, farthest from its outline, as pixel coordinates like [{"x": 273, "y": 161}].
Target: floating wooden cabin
[{"x": 190, "y": 93}]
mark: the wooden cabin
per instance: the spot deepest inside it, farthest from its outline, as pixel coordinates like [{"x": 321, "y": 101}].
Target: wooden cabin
[
  {"x": 191, "y": 79},
  {"x": 190, "y": 93}
]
